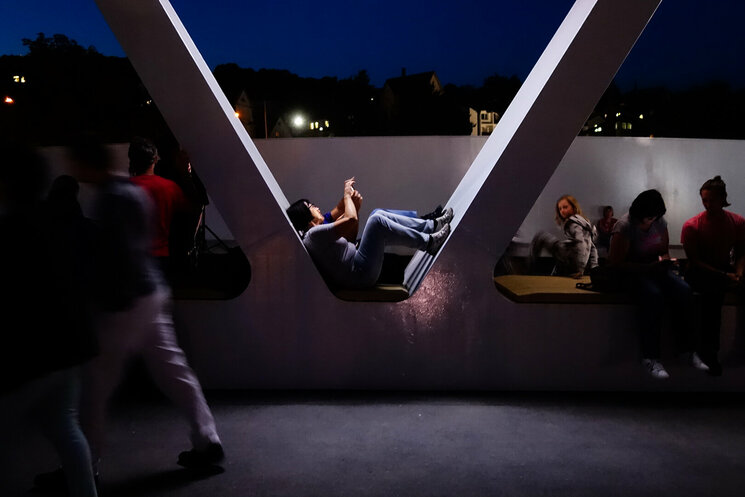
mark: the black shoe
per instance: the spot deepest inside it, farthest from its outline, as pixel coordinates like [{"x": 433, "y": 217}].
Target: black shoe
[
  {"x": 210, "y": 455},
  {"x": 55, "y": 481},
  {"x": 434, "y": 214}
]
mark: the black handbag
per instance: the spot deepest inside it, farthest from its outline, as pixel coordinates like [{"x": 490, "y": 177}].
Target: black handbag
[{"x": 605, "y": 279}]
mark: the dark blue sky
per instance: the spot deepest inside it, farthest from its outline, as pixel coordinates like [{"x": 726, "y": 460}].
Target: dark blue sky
[{"x": 687, "y": 42}]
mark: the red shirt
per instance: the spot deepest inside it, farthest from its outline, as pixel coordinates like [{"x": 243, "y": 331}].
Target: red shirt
[
  {"x": 715, "y": 237},
  {"x": 167, "y": 198}
]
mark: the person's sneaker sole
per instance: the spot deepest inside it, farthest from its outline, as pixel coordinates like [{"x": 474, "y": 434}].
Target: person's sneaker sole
[{"x": 211, "y": 455}]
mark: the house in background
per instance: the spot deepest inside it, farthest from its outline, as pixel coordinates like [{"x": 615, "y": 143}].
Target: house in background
[
  {"x": 244, "y": 113},
  {"x": 409, "y": 103},
  {"x": 483, "y": 122}
]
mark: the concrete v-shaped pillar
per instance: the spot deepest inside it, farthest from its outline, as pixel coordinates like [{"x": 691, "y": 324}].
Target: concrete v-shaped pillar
[{"x": 287, "y": 329}]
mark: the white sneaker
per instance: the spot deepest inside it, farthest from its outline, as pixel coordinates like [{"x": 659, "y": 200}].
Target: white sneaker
[
  {"x": 655, "y": 369},
  {"x": 693, "y": 360},
  {"x": 697, "y": 363}
]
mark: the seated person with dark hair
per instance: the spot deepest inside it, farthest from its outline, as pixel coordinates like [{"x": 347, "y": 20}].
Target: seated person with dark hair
[{"x": 332, "y": 245}]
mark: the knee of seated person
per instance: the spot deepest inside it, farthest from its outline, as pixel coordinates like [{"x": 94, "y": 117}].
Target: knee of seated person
[{"x": 377, "y": 219}]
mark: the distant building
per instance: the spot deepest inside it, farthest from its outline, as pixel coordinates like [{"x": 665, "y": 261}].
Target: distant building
[
  {"x": 619, "y": 123},
  {"x": 483, "y": 122},
  {"x": 281, "y": 129},
  {"x": 244, "y": 113},
  {"x": 408, "y": 102}
]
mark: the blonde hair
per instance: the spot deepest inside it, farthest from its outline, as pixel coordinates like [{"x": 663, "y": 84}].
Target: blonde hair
[{"x": 575, "y": 205}]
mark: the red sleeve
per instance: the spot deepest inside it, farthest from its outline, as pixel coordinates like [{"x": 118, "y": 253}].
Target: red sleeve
[
  {"x": 739, "y": 234},
  {"x": 688, "y": 234}
]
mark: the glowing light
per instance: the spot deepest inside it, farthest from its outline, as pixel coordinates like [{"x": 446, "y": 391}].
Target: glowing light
[
  {"x": 641, "y": 116},
  {"x": 298, "y": 120},
  {"x": 326, "y": 123},
  {"x": 9, "y": 100},
  {"x": 237, "y": 114},
  {"x": 598, "y": 129},
  {"x": 618, "y": 114}
]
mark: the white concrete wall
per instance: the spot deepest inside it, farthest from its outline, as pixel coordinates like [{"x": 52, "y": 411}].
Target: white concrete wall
[
  {"x": 420, "y": 172},
  {"x": 457, "y": 331}
]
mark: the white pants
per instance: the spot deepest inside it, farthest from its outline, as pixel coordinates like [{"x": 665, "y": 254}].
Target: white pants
[{"x": 146, "y": 331}]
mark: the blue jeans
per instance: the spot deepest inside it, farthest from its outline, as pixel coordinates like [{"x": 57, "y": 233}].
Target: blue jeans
[
  {"x": 51, "y": 403},
  {"x": 397, "y": 211},
  {"x": 385, "y": 228},
  {"x": 654, "y": 292}
]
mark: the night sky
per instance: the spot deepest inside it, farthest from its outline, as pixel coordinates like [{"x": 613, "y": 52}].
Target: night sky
[{"x": 687, "y": 42}]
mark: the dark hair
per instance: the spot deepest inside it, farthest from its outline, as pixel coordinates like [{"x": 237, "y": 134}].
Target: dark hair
[
  {"x": 717, "y": 186},
  {"x": 647, "y": 204},
  {"x": 142, "y": 154},
  {"x": 63, "y": 196},
  {"x": 299, "y": 214},
  {"x": 607, "y": 209}
]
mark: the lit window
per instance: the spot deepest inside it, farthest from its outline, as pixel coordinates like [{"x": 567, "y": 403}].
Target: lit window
[
  {"x": 326, "y": 123},
  {"x": 598, "y": 129},
  {"x": 618, "y": 114},
  {"x": 629, "y": 125},
  {"x": 9, "y": 100},
  {"x": 641, "y": 116}
]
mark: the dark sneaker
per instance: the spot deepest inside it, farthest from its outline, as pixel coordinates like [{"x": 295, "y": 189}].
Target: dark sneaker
[
  {"x": 446, "y": 217},
  {"x": 437, "y": 239},
  {"x": 54, "y": 481},
  {"x": 51, "y": 481},
  {"x": 210, "y": 455},
  {"x": 434, "y": 214}
]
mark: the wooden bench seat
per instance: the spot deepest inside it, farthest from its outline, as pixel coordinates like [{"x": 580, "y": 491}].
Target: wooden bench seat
[
  {"x": 378, "y": 293},
  {"x": 525, "y": 289}
]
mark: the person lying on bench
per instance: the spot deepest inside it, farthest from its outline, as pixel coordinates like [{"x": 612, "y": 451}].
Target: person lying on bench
[{"x": 332, "y": 245}]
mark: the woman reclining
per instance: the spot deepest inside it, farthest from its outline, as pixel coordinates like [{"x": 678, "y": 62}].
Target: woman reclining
[{"x": 332, "y": 245}]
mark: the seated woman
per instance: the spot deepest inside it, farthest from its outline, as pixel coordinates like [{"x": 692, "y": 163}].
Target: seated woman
[
  {"x": 639, "y": 251},
  {"x": 332, "y": 245},
  {"x": 605, "y": 227},
  {"x": 576, "y": 252}
]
